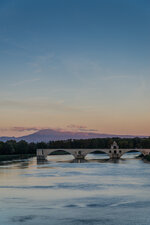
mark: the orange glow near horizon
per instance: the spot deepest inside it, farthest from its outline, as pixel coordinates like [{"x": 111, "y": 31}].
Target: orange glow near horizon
[{"x": 105, "y": 123}]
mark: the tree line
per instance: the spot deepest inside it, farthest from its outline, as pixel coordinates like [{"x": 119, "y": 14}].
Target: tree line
[{"x": 12, "y": 147}]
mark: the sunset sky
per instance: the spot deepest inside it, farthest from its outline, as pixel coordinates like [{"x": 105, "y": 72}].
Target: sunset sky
[{"x": 79, "y": 65}]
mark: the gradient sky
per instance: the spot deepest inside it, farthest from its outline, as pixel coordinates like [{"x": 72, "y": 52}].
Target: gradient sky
[{"x": 75, "y": 65}]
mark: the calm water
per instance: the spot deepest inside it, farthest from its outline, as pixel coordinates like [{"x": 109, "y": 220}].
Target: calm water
[{"x": 96, "y": 192}]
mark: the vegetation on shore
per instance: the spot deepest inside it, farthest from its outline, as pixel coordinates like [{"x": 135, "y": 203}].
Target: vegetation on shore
[
  {"x": 147, "y": 157},
  {"x": 22, "y": 147},
  {"x": 14, "y": 157}
]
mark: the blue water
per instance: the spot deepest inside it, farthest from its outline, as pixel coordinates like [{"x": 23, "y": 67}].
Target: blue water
[{"x": 64, "y": 192}]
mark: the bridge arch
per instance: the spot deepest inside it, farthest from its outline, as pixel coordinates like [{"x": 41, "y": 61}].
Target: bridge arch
[
  {"x": 114, "y": 152},
  {"x": 51, "y": 151},
  {"x": 124, "y": 151},
  {"x": 97, "y": 150}
]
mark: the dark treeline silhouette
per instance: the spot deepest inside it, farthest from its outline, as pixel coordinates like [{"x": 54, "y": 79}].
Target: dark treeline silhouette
[{"x": 22, "y": 147}]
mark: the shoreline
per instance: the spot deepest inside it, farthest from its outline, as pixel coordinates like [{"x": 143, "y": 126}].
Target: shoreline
[{"x": 13, "y": 157}]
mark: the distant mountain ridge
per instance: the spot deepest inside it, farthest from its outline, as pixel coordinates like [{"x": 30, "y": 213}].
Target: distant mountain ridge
[{"x": 47, "y": 135}]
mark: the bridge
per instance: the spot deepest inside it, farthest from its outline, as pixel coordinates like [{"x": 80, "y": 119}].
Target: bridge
[{"x": 114, "y": 152}]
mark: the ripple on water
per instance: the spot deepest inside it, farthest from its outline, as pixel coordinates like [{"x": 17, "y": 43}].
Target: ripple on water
[{"x": 65, "y": 193}]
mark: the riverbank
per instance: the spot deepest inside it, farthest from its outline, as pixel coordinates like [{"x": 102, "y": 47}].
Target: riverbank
[
  {"x": 13, "y": 157},
  {"x": 147, "y": 157}
]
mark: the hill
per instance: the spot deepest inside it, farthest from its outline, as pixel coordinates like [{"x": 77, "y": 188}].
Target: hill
[{"x": 47, "y": 135}]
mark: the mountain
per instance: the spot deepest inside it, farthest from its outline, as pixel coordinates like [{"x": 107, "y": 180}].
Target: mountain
[
  {"x": 4, "y": 139},
  {"x": 53, "y": 135}
]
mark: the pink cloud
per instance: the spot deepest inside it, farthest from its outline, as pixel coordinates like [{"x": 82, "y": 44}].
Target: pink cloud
[
  {"x": 72, "y": 126},
  {"x": 22, "y": 129},
  {"x": 80, "y": 128}
]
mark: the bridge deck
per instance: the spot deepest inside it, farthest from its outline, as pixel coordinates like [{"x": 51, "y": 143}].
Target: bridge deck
[{"x": 77, "y": 153}]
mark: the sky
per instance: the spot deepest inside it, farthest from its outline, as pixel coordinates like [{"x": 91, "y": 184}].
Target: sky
[{"x": 75, "y": 65}]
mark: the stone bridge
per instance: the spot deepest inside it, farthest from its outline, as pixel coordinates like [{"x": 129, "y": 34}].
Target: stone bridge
[{"x": 114, "y": 152}]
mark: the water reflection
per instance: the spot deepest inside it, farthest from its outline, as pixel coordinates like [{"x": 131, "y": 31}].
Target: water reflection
[
  {"x": 97, "y": 158},
  {"x": 65, "y": 191},
  {"x": 79, "y": 161}
]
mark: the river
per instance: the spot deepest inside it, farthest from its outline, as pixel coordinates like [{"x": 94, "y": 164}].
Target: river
[{"x": 64, "y": 192}]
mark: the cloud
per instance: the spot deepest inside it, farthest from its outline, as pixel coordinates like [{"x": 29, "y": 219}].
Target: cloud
[
  {"x": 40, "y": 105},
  {"x": 22, "y": 129},
  {"x": 72, "y": 126},
  {"x": 19, "y": 129},
  {"x": 80, "y": 128},
  {"x": 4, "y": 129},
  {"x": 28, "y": 130},
  {"x": 25, "y": 82},
  {"x": 116, "y": 77},
  {"x": 89, "y": 130}
]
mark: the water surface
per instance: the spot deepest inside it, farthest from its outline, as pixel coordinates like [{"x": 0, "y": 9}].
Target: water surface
[{"x": 63, "y": 192}]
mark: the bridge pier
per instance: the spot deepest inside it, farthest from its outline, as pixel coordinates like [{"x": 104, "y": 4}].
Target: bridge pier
[
  {"x": 115, "y": 152},
  {"x": 79, "y": 155},
  {"x": 41, "y": 158},
  {"x": 115, "y": 156},
  {"x": 40, "y": 155}
]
